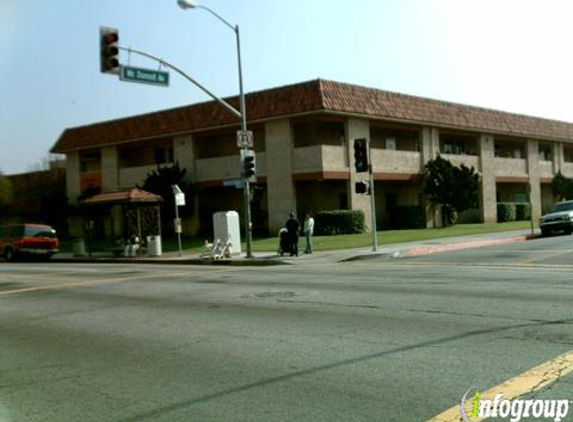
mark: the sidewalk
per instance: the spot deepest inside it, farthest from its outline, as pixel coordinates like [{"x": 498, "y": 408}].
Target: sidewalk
[{"x": 396, "y": 250}]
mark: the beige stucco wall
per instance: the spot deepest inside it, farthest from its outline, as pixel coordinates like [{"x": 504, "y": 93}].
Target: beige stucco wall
[
  {"x": 468, "y": 160},
  {"x": 567, "y": 169},
  {"x": 130, "y": 177},
  {"x": 184, "y": 154},
  {"x": 279, "y": 163},
  {"x": 109, "y": 169},
  {"x": 429, "y": 150},
  {"x": 532, "y": 152},
  {"x": 546, "y": 169},
  {"x": 510, "y": 167},
  {"x": 395, "y": 161},
  {"x": 487, "y": 195},
  {"x": 73, "y": 176},
  {"x": 355, "y": 129}
]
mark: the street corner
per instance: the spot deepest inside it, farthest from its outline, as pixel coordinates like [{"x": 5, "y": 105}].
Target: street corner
[{"x": 472, "y": 244}]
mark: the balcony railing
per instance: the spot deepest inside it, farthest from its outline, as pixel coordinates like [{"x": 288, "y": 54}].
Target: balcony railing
[
  {"x": 133, "y": 176},
  {"x": 319, "y": 158},
  {"x": 91, "y": 179},
  {"x": 395, "y": 161},
  {"x": 567, "y": 169},
  {"x": 468, "y": 160},
  {"x": 510, "y": 167},
  {"x": 226, "y": 168},
  {"x": 546, "y": 169}
]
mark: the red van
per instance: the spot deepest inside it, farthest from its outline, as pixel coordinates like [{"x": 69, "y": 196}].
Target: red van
[{"x": 27, "y": 240}]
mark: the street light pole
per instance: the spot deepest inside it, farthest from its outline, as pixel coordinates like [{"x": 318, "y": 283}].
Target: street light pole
[{"x": 188, "y": 4}]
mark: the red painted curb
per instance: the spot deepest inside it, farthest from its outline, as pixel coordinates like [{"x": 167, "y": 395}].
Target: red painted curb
[{"x": 426, "y": 250}]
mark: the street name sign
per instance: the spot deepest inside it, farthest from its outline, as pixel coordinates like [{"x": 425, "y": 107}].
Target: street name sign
[
  {"x": 235, "y": 183},
  {"x": 144, "y": 76}
]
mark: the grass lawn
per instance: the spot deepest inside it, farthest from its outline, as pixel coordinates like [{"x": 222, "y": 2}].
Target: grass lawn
[{"x": 325, "y": 243}]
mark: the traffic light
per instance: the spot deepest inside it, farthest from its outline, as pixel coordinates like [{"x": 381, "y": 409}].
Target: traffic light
[
  {"x": 362, "y": 187},
  {"x": 109, "y": 50},
  {"x": 361, "y": 155},
  {"x": 249, "y": 165}
]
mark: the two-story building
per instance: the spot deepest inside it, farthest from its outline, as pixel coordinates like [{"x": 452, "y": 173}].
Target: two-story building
[{"x": 303, "y": 138}]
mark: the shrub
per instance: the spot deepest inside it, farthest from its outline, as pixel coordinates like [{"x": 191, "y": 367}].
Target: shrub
[
  {"x": 471, "y": 216},
  {"x": 334, "y": 222},
  {"x": 505, "y": 212},
  {"x": 522, "y": 211},
  {"x": 408, "y": 217}
]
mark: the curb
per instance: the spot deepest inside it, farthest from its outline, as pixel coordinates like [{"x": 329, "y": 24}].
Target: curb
[
  {"x": 190, "y": 261},
  {"x": 263, "y": 262},
  {"x": 427, "y": 250}
]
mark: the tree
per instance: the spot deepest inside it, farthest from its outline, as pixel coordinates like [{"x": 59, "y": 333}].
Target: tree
[
  {"x": 6, "y": 193},
  {"x": 454, "y": 188},
  {"x": 40, "y": 197},
  {"x": 562, "y": 187},
  {"x": 159, "y": 182}
]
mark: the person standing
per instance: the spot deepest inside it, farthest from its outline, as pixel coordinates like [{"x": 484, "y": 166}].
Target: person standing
[
  {"x": 293, "y": 226},
  {"x": 308, "y": 231}
]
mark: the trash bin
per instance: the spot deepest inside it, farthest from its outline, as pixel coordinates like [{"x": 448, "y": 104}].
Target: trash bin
[
  {"x": 153, "y": 245},
  {"x": 79, "y": 247}
]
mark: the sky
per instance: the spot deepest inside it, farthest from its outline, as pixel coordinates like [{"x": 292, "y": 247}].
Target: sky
[{"x": 511, "y": 55}]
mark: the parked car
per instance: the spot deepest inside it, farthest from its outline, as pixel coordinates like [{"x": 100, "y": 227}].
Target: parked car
[
  {"x": 27, "y": 240},
  {"x": 558, "y": 218}
]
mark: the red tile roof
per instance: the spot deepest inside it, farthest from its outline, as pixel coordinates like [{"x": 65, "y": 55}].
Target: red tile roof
[
  {"x": 314, "y": 96},
  {"x": 123, "y": 197}
]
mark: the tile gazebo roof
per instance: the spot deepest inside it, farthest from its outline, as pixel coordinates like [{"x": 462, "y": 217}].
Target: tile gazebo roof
[
  {"x": 313, "y": 96},
  {"x": 126, "y": 196}
]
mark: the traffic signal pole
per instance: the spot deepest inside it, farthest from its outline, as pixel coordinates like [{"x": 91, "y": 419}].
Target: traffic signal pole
[
  {"x": 373, "y": 206},
  {"x": 239, "y": 113},
  {"x": 363, "y": 163}
]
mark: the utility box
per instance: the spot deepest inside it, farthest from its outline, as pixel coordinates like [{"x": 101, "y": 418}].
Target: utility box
[{"x": 226, "y": 227}]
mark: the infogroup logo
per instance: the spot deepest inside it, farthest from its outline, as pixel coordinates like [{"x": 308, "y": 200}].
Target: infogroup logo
[{"x": 515, "y": 409}]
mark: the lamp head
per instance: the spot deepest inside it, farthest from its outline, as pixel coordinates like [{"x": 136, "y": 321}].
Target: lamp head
[{"x": 187, "y": 4}]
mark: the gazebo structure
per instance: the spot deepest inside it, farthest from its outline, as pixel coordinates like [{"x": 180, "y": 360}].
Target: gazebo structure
[{"x": 122, "y": 214}]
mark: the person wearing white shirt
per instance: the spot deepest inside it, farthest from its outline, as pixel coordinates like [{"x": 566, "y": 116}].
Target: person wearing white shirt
[{"x": 308, "y": 231}]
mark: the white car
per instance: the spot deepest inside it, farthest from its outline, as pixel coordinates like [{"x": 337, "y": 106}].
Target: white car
[{"x": 558, "y": 218}]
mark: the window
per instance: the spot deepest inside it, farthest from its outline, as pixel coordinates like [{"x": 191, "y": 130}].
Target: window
[
  {"x": 90, "y": 163},
  {"x": 163, "y": 155},
  {"x": 391, "y": 143},
  {"x": 545, "y": 153}
]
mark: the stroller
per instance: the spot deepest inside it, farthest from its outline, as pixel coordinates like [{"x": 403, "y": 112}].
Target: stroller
[{"x": 285, "y": 244}]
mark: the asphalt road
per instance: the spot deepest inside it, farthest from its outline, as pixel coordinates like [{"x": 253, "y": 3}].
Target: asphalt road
[{"x": 377, "y": 340}]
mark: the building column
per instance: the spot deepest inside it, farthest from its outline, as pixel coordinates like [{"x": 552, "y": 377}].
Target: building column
[
  {"x": 430, "y": 144},
  {"x": 534, "y": 179},
  {"x": 109, "y": 169},
  {"x": 356, "y": 129},
  {"x": 429, "y": 150},
  {"x": 184, "y": 154},
  {"x": 558, "y": 157},
  {"x": 73, "y": 188},
  {"x": 487, "y": 194},
  {"x": 281, "y": 189}
]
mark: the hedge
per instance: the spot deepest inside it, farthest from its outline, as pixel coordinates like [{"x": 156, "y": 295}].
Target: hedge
[
  {"x": 506, "y": 211},
  {"x": 408, "y": 217},
  {"x": 522, "y": 211},
  {"x": 328, "y": 223},
  {"x": 513, "y": 211}
]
